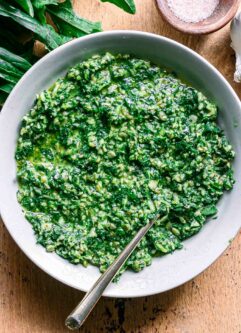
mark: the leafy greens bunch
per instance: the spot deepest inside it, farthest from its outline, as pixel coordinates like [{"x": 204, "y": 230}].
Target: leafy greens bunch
[{"x": 23, "y": 22}]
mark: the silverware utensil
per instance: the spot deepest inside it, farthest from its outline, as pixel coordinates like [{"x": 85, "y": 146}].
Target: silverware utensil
[{"x": 76, "y": 319}]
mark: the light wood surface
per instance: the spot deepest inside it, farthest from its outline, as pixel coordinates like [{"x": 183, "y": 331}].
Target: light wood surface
[{"x": 33, "y": 302}]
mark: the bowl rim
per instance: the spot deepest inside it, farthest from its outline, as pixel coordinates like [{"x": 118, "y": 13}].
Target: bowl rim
[
  {"x": 203, "y": 30},
  {"x": 117, "y": 33}
]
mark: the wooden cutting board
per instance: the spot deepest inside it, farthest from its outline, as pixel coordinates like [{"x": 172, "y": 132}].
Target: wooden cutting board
[{"x": 33, "y": 302}]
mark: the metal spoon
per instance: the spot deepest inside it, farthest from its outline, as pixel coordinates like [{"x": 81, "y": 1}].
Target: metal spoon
[{"x": 76, "y": 319}]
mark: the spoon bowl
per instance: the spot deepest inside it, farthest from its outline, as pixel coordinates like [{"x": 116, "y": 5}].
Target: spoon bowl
[{"x": 223, "y": 14}]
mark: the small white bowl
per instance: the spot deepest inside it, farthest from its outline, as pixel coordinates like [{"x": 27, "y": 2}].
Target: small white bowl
[{"x": 201, "y": 250}]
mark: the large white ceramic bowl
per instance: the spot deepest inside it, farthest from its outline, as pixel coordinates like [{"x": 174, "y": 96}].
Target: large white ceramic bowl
[{"x": 199, "y": 251}]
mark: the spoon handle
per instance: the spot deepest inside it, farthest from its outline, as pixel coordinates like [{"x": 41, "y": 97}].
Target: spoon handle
[{"x": 76, "y": 319}]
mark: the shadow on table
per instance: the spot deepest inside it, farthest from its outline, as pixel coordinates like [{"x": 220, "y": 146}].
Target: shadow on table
[
  {"x": 40, "y": 304},
  {"x": 50, "y": 302}
]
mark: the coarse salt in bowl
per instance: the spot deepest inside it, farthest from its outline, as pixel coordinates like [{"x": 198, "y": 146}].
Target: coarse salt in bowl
[
  {"x": 193, "y": 10},
  {"x": 198, "y": 16}
]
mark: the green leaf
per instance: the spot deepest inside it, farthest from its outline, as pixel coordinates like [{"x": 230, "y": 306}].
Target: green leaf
[
  {"x": 12, "y": 68},
  {"x": 7, "y": 87},
  {"x": 40, "y": 8},
  {"x": 15, "y": 60},
  {"x": 3, "y": 97},
  {"x": 7, "y": 67},
  {"x": 8, "y": 77},
  {"x": 66, "y": 29},
  {"x": 27, "y": 6},
  {"x": 45, "y": 33},
  {"x": 9, "y": 73},
  {"x": 43, "y": 3},
  {"x": 126, "y": 5},
  {"x": 69, "y": 23},
  {"x": 41, "y": 14}
]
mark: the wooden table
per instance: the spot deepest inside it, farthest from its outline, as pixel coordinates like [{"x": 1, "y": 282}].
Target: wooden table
[{"x": 33, "y": 302}]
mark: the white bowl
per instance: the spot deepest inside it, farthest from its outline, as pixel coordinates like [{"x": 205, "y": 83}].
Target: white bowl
[{"x": 199, "y": 251}]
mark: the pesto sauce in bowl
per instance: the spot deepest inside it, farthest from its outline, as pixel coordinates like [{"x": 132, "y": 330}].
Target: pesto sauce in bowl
[{"x": 115, "y": 141}]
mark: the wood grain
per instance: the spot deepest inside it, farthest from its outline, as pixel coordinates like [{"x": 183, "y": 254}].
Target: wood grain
[{"x": 33, "y": 302}]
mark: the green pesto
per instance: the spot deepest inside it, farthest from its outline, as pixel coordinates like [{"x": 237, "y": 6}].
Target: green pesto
[{"x": 115, "y": 141}]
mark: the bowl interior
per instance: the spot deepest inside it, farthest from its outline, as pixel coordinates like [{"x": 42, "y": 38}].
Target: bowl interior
[
  {"x": 224, "y": 12},
  {"x": 199, "y": 251}
]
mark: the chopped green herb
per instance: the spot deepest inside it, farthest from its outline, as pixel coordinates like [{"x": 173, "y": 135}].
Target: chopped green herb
[{"x": 115, "y": 141}]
